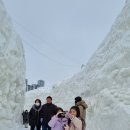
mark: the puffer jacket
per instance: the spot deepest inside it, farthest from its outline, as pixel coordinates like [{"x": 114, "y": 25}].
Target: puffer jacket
[
  {"x": 75, "y": 124},
  {"x": 82, "y": 107},
  {"x": 35, "y": 116},
  {"x": 48, "y": 111},
  {"x": 57, "y": 123}
]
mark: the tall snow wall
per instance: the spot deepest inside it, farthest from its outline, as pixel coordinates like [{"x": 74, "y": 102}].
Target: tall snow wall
[{"x": 12, "y": 74}]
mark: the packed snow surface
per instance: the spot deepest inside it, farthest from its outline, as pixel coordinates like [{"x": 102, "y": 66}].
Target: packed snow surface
[
  {"x": 12, "y": 74},
  {"x": 104, "y": 83}
]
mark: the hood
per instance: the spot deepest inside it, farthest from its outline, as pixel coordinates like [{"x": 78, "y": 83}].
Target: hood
[
  {"x": 82, "y": 103},
  {"x": 34, "y": 107}
]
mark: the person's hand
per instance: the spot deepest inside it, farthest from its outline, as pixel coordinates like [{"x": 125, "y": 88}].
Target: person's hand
[
  {"x": 72, "y": 117},
  {"x": 66, "y": 127},
  {"x": 58, "y": 113},
  {"x": 68, "y": 115}
]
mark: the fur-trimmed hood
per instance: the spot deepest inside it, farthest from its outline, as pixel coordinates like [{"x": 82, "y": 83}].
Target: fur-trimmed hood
[
  {"x": 82, "y": 103},
  {"x": 34, "y": 107}
]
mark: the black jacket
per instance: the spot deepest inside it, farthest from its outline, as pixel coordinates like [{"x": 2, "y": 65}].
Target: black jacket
[
  {"x": 48, "y": 110},
  {"x": 35, "y": 116},
  {"x": 25, "y": 116}
]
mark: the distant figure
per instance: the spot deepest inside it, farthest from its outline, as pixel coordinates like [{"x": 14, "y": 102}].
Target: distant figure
[
  {"x": 75, "y": 122},
  {"x": 48, "y": 110},
  {"x": 25, "y": 115},
  {"x": 35, "y": 115},
  {"x": 82, "y": 107}
]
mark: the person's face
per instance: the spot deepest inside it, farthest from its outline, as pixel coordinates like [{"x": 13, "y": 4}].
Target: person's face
[
  {"x": 73, "y": 112},
  {"x": 37, "y": 103},
  {"x": 49, "y": 100}
]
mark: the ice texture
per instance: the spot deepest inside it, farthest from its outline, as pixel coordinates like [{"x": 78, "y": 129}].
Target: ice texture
[{"x": 12, "y": 74}]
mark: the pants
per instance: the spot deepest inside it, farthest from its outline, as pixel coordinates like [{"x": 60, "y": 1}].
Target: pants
[
  {"x": 35, "y": 128},
  {"x": 46, "y": 127}
]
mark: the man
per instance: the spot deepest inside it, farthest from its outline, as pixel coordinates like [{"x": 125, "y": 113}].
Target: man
[
  {"x": 82, "y": 107},
  {"x": 48, "y": 110}
]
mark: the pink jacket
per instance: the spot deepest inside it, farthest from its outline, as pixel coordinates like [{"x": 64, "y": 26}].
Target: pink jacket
[{"x": 76, "y": 124}]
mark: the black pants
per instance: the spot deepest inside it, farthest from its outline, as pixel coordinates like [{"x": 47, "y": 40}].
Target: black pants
[
  {"x": 37, "y": 127},
  {"x": 45, "y": 127}
]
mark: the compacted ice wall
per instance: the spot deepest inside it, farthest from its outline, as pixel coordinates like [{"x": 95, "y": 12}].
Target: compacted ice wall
[{"x": 12, "y": 74}]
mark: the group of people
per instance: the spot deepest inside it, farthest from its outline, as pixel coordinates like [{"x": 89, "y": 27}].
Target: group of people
[{"x": 51, "y": 117}]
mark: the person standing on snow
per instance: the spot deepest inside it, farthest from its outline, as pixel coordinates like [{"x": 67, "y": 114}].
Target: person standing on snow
[
  {"x": 35, "y": 115},
  {"x": 82, "y": 107},
  {"x": 48, "y": 111},
  {"x": 25, "y": 118}
]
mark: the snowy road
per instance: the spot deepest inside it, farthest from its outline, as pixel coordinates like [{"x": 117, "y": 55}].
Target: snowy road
[{"x": 25, "y": 128}]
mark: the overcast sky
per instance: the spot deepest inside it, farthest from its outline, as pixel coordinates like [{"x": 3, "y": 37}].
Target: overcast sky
[{"x": 60, "y": 35}]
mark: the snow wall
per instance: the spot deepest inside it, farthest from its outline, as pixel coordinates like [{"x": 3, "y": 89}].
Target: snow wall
[
  {"x": 12, "y": 74},
  {"x": 104, "y": 83}
]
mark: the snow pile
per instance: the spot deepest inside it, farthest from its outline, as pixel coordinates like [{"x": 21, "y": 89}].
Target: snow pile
[
  {"x": 12, "y": 74},
  {"x": 40, "y": 93},
  {"x": 105, "y": 81}
]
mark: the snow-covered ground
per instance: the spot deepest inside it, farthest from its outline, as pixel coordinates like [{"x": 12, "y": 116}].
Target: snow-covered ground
[
  {"x": 12, "y": 74},
  {"x": 104, "y": 83}
]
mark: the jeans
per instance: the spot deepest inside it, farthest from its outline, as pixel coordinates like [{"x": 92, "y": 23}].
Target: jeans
[{"x": 46, "y": 127}]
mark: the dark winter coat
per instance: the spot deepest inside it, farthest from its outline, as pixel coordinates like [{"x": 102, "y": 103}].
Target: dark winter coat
[
  {"x": 48, "y": 110},
  {"x": 35, "y": 116}
]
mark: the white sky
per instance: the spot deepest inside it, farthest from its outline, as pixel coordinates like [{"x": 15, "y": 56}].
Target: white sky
[{"x": 60, "y": 35}]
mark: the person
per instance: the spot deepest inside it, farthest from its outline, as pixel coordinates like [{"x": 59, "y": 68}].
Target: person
[
  {"x": 59, "y": 120},
  {"x": 74, "y": 122},
  {"x": 48, "y": 110},
  {"x": 35, "y": 115},
  {"x": 25, "y": 115},
  {"x": 82, "y": 107}
]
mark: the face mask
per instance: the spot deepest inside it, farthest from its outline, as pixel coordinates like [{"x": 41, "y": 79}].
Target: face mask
[{"x": 37, "y": 104}]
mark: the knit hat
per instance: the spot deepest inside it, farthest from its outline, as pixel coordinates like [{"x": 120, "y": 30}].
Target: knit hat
[{"x": 78, "y": 99}]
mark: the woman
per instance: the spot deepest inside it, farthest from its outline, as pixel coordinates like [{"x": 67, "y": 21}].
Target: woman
[
  {"x": 74, "y": 119},
  {"x": 58, "y": 121},
  {"x": 35, "y": 115}
]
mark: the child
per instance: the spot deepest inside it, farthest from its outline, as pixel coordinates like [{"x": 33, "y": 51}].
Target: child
[
  {"x": 58, "y": 121},
  {"x": 74, "y": 119}
]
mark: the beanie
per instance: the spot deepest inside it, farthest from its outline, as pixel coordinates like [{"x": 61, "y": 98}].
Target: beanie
[{"x": 78, "y": 99}]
